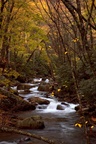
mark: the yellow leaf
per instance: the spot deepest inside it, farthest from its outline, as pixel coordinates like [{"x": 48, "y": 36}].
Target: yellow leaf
[
  {"x": 78, "y": 124},
  {"x": 65, "y": 52},
  {"x": 59, "y": 90},
  {"x": 86, "y": 122},
  {"x": 52, "y": 94},
  {"x": 75, "y": 40},
  {"x": 92, "y": 127}
]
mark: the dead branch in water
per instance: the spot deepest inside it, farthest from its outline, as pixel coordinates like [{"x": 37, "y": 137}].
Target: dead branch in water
[{"x": 7, "y": 129}]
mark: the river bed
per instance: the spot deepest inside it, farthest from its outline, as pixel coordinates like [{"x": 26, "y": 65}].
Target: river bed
[{"x": 59, "y": 124}]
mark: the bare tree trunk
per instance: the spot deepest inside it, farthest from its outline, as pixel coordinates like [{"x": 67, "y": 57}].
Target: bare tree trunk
[{"x": 73, "y": 70}]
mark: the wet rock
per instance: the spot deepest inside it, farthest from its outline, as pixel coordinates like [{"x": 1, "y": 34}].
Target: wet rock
[
  {"x": 60, "y": 107},
  {"x": 44, "y": 87},
  {"x": 33, "y": 122},
  {"x": 38, "y": 100},
  {"x": 22, "y": 86},
  {"x": 65, "y": 104},
  {"x": 42, "y": 106}
]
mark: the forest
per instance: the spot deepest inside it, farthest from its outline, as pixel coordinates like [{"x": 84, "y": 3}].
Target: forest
[{"x": 49, "y": 39}]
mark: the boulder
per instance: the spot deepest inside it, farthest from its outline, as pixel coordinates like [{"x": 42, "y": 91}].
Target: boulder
[
  {"x": 33, "y": 122},
  {"x": 17, "y": 104},
  {"x": 37, "y": 100},
  {"x": 60, "y": 107},
  {"x": 14, "y": 102},
  {"x": 44, "y": 87}
]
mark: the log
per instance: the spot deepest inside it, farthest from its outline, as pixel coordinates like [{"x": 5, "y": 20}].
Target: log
[{"x": 8, "y": 129}]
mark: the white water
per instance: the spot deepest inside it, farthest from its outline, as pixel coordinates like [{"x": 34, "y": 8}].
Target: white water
[
  {"x": 52, "y": 107},
  {"x": 37, "y": 79},
  {"x": 34, "y": 89}
]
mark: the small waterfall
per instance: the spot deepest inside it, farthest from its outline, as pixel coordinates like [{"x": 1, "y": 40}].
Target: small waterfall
[
  {"x": 54, "y": 103},
  {"x": 52, "y": 106},
  {"x": 34, "y": 89}
]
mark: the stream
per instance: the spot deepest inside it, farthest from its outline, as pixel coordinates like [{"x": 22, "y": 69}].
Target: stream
[{"x": 59, "y": 124}]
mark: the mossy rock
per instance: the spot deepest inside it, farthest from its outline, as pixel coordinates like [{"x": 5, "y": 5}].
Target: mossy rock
[
  {"x": 33, "y": 122},
  {"x": 14, "y": 102},
  {"x": 37, "y": 100}
]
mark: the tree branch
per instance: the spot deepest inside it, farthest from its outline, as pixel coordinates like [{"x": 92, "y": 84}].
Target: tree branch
[
  {"x": 7, "y": 129},
  {"x": 72, "y": 9}
]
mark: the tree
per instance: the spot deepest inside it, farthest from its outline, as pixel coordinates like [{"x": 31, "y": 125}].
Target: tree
[
  {"x": 71, "y": 34},
  {"x": 72, "y": 38},
  {"x": 21, "y": 32}
]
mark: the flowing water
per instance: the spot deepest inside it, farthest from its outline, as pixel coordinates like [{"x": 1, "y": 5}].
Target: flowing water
[{"x": 59, "y": 124}]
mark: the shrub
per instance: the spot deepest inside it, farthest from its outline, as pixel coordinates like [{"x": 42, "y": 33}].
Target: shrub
[{"x": 88, "y": 89}]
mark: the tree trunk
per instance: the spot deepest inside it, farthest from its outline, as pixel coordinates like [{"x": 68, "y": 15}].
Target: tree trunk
[{"x": 6, "y": 38}]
